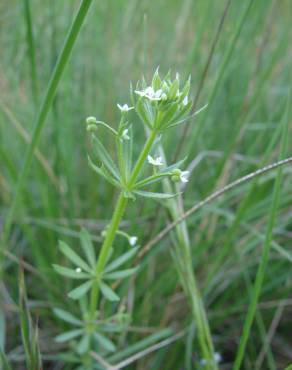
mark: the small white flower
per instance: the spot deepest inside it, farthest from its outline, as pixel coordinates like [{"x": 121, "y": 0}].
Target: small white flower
[
  {"x": 186, "y": 100},
  {"x": 124, "y": 107},
  {"x": 184, "y": 176},
  {"x": 217, "y": 357},
  {"x": 125, "y": 135},
  {"x": 133, "y": 240},
  {"x": 78, "y": 270},
  {"x": 155, "y": 162},
  {"x": 150, "y": 93}
]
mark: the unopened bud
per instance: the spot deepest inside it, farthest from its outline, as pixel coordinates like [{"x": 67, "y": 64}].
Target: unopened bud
[{"x": 91, "y": 120}]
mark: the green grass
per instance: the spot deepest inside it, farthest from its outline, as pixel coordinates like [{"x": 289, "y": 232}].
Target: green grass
[{"x": 49, "y": 194}]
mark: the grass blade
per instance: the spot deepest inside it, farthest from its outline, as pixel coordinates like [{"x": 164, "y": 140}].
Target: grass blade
[
  {"x": 266, "y": 249},
  {"x": 31, "y": 49},
  {"x": 44, "y": 110}
]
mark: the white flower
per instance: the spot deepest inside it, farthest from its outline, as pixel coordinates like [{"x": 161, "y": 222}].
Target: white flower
[
  {"x": 133, "y": 240},
  {"x": 124, "y": 107},
  {"x": 184, "y": 176},
  {"x": 125, "y": 135},
  {"x": 186, "y": 100},
  {"x": 150, "y": 93},
  {"x": 155, "y": 162},
  {"x": 217, "y": 359},
  {"x": 78, "y": 270}
]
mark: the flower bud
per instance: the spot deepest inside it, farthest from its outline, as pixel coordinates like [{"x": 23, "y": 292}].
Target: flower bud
[
  {"x": 163, "y": 97},
  {"x": 175, "y": 178},
  {"x": 91, "y": 128},
  {"x": 91, "y": 120}
]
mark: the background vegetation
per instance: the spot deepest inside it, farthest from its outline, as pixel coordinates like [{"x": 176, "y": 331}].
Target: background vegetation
[{"x": 240, "y": 63}]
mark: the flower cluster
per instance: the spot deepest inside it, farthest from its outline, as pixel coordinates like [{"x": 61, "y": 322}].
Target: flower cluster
[{"x": 163, "y": 104}]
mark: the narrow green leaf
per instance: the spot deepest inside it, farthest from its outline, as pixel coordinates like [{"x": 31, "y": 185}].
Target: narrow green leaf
[
  {"x": 73, "y": 274},
  {"x": 122, "y": 274},
  {"x": 102, "y": 154},
  {"x": 83, "y": 345},
  {"x": 44, "y": 110},
  {"x": 80, "y": 290},
  {"x": 149, "y": 194},
  {"x": 4, "y": 361},
  {"x": 261, "y": 271},
  {"x": 108, "y": 293},
  {"x": 127, "y": 146},
  {"x": 289, "y": 367},
  {"x": 121, "y": 260},
  {"x": 88, "y": 247},
  {"x": 140, "y": 110},
  {"x": 69, "y": 335},
  {"x": 2, "y": 328},
  {"x": 101, "y": 172},
  {"x": 104, "y": 342},
  {"x": 174, "y": 165},
  {"x": 67, "y": 317},
  {"x": 25, "y": 320},
  {"x": 152, "y": 179},
  {"x": 73, "y": 257}
]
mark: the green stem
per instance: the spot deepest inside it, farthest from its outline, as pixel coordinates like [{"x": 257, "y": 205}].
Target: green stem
[
  {"x": 189, "y": 282},
  {"x": 142, "y": 158},
  {"x": 105, "y": 250},
  {"x": 114, "y": 225}
]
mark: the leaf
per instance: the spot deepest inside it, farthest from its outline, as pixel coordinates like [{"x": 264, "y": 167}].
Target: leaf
[
  {"x": 140, "y": 109},
  {"x": 88, "y": 247},
  {"x": 174, "y": 165},
  {"x": 127, "y": 147},
  {"x": 68, "y": 335},
  {"x": 73, "y": 274},
  {"x": 103, "y": 173},
  {"x": 4, "y": 361},
  {"x": 104, "y": 157},
  {"x": 289, "y": 367},
  {"x": 73, "y": 257},
  {"x": 104, "y": 342},
  {"x": 80, "y": 290},
  {"x": 149, "y": 194},
  {"x": 108, "y": 293},
  {"x": 120, "y": 274},
  {"x": 28, "y": 333},
  {"x": 2, "y": 329},
  {"x": 67, "y": 317},
  {"x": 121, "y": 260},
  {"x": 152, "y": 179},
  {"x": 83, "y": 345},
  {"x": 168, "y": 116}
]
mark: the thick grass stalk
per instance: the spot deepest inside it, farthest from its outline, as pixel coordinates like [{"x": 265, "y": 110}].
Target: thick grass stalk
[
  {"x": 265, "y": 253},
  {"x": 43, "y": 112}
]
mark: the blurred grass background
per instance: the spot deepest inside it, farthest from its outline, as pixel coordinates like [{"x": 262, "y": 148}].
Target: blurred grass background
[{"x": 238, "y": 133}]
